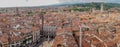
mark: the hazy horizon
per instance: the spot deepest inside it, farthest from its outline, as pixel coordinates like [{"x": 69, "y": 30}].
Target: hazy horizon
[{"x": 16, "y": 3}]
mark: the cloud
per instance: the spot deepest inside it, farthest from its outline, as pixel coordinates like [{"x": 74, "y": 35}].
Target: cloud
[{"x": 17, "y": 3}]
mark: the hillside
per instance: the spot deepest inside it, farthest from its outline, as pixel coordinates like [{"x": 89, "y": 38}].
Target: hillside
[{"x": 88, "y": 6}]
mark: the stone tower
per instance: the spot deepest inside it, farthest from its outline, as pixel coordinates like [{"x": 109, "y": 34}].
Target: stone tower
[{"x": 101, "y": 7}]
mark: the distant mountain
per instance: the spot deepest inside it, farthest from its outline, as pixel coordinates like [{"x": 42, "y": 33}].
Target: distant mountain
[
  {"x": 88, "y": 6},
  {"x": 80, "y": 4},
  {"x": 88, "y": 1},
  {"x": 93, "y": 4}
]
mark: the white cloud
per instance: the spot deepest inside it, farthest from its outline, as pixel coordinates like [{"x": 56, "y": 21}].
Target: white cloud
[{"x": 14, "y": 3}]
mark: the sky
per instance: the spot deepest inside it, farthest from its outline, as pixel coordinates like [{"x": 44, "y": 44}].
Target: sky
[
  {"x": 18, "y": 3},
  {"x": 92, "y": 0}
]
